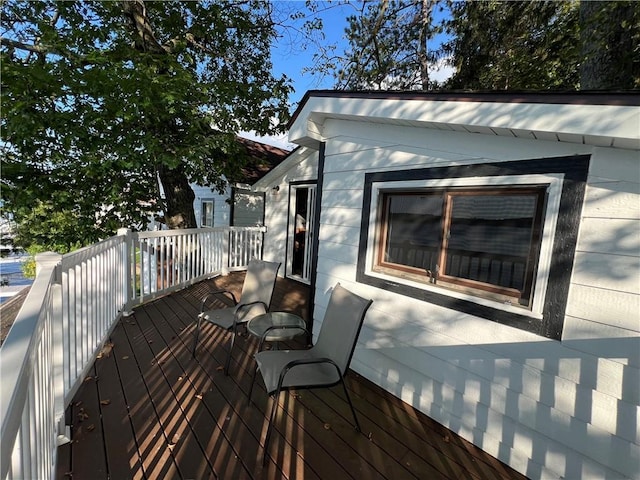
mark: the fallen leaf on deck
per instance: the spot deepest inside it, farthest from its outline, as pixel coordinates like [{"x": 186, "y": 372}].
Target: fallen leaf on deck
[
  {"x": 199, "y": 396},
  {"x": 88, "y": 378},
  {"x": 105, "y": 402},
  {"x": 175, "y": 439},
  {"x": 91, "y": 428},
  {"x": 106, "y": 350},
  {"x": 68, "y": 474},
  {"x": 126, "y": 357},
  {"x": 220, "y": 368},
  {"x": 446, "y": 439},
  {"x": 82, "y": 415},
  {"x": 327, "y": 426}
]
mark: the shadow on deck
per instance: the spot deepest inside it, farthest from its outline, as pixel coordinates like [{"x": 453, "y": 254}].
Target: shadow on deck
[{"x": 148, "y": 409}]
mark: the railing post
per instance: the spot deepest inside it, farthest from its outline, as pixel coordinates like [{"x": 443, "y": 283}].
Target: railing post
[
  {"x": 47, "y": 259},
  {"x": 128, "y": 271}
]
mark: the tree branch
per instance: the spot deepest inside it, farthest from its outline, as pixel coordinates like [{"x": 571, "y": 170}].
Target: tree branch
[
  {"x": 137, "y": 13},
  {"x": 40, "y": 49}
]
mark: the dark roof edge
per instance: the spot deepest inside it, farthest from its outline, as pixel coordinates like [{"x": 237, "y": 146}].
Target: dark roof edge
[{"x": 583, "y": 97}]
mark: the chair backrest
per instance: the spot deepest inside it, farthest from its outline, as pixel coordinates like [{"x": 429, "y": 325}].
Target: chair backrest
[
  {"x": 341, "y": 326},
  {"x": 259, "y": 282}
]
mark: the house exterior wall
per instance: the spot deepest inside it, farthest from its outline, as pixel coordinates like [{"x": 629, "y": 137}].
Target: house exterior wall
[
  {"x": 302, "y": 168},
  {"x": 248, "y": 208},
  {"x": 547, "y": 408},
  {"x": 222, "y": 209}
]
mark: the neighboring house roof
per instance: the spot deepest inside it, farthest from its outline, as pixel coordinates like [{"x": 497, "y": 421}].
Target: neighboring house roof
[
  {"x": 294, "y": 157},
  {"x": 262, "y": 158},
  {"x": 608, "y": 119}
]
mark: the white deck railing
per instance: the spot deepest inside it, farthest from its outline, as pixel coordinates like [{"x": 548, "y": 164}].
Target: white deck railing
[{"x": 74, "y": 302}]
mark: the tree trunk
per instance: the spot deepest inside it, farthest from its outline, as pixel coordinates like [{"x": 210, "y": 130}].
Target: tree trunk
[
  {"x": 423, "y": 49},
  {"x": 607, "y": 47},
  {"x": 179, "y": 198}
]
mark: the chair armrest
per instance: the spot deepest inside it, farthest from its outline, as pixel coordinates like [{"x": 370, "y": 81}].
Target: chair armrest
[
  {"x": 217, "y": 292},
  {"x": 305, "y": 361},
  {"x": 241, "y": 306},
  {"x": 251, "y": 304}
]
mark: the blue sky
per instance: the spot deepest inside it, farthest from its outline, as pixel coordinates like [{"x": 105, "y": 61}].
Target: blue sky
[
  {"x": 294, "y": 52},
  {"x": 289, "y": 56}
]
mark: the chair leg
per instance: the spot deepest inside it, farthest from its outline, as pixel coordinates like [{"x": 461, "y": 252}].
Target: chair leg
[
  {"x": 353, "y": 411},
  {"x": 272, "y": 417},
  {"x": 253, "y": 380},
  {"x": 197, "y": 336},
  {"x": 228, "y": 362}
]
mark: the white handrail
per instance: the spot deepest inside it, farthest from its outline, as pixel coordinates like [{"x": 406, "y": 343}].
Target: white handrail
[{"x": 71, "y": 308}]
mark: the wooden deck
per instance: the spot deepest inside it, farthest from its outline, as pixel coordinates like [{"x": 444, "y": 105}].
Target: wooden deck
[{"x": 150, "y": 410}]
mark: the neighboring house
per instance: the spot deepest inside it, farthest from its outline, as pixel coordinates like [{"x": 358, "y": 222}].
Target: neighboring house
[
  {"x": 238, "y": 205},
  {"x": 499, "y": 237}
]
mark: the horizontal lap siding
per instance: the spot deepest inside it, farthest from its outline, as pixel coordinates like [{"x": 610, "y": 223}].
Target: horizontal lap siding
[
  {"x": 221, "y": 208},
  {"x": 547, "y": 408}
]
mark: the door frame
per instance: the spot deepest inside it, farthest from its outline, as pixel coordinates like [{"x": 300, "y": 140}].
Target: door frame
[{"x": 310, "y": 233}]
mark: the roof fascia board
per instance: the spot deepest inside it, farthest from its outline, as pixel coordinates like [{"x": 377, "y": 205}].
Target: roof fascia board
[{"x": 597, "y": 120}]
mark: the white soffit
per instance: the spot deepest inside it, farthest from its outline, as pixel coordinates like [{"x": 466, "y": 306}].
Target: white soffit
[
  {"x": 600, "y": 125},
  {"x": 295, "y": 157}
]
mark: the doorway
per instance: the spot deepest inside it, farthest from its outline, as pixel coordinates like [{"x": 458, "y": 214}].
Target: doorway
[{"x": 302, "y": 200}]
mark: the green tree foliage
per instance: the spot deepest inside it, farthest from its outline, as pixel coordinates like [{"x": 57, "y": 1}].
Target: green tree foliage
[
  {"x": 102, "y": 99},
  {"x": 520, "y": 45},
  {"x": 390, "y": 46},
  {"x": 492, "y": 45},
  {"x": 610, "y": 45}
]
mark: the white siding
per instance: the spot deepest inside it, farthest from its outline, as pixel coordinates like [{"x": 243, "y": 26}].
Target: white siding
[
  {"x": 277, "y": 203},
  {"x": 248, "y": 209},
  {"x": 549, "y": 409},
  {"x": 222, "y": 208}
]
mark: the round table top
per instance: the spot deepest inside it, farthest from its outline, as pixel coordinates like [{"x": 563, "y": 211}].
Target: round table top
[{"x": 293, "y": 323}]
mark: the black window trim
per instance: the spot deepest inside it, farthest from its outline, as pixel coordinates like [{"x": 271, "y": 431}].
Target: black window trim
[{"x": 575, "y": 170}]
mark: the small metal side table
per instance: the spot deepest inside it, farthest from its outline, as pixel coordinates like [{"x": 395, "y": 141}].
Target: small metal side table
[{"x": 276, "y": 327}]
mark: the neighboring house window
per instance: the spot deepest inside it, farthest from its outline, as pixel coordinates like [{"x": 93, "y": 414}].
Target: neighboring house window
[
  {"x": 207, "y": 213},
  {"x": 494, "y": 240}
]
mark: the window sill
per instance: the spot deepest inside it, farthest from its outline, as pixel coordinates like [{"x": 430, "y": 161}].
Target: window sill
[{"x": 399, "y": 281}]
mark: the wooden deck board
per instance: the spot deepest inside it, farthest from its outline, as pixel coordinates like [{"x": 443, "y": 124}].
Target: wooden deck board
[{"x": 158, "y": 412}]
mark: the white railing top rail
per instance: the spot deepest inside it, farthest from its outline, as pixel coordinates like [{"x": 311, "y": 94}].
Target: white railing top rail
[
  {"x": 90, "y": 251},
  {"x": 188, "y": 231}
]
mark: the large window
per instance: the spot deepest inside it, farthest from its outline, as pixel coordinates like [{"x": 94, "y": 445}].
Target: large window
[
  {"x": 483, "y": 241},
  {"x": 495, "y": 240}
]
